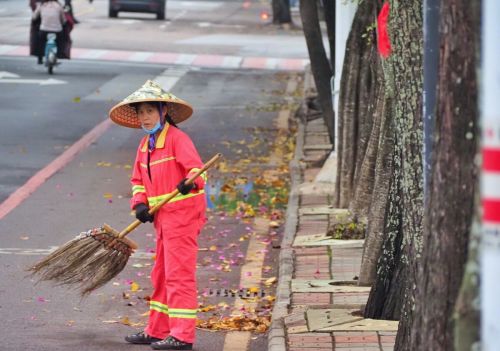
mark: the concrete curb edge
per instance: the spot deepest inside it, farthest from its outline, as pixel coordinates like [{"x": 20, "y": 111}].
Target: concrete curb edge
[{"x": 277, "y": 337}]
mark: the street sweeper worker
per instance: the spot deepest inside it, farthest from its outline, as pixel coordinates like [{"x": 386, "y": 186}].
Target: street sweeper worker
[{"x": 165, "y": 158}]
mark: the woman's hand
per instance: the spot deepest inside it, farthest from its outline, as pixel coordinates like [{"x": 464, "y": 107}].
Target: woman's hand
[{"x": 142, "y": 213}]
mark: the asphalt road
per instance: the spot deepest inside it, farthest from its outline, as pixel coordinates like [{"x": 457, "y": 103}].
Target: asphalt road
[
  {"x": 236, "y": 112},
  {"x": 233, "y": 109},
  {"x": 196, "y": 27}
]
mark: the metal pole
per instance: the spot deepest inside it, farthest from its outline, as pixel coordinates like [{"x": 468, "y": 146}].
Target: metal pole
[
  {"x": 490, "y": 176},
  {"x": 431, "y": 62}
]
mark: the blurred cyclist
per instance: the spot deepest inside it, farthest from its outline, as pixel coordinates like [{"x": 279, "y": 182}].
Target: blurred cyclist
[{"x": 52, "y": 18}]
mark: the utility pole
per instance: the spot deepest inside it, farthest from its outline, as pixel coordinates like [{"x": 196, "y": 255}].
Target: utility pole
[{"x": 490, "y": 177}]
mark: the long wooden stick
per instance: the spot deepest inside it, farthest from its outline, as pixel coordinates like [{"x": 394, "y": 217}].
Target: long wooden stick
[{"x": 173, "y": 194}]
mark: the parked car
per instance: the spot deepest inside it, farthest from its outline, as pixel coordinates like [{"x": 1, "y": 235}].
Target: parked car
[{"x": 149, "y": 6}]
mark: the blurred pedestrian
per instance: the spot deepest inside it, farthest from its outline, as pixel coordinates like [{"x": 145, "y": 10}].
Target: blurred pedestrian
[
  {"x": 69, "y": 9},
  {"x": 33, "y": 4},
  {"x": 52, "y": 19},
  {"x": 165, "y": 158}
]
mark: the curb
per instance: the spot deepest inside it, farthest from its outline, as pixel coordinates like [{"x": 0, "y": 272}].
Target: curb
[{"x": 277, "y": 336}]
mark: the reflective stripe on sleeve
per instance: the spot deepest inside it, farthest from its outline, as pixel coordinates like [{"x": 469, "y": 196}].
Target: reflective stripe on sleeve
[
  {"x": 203, "y": 175},
  {"x": 138, "y": 189}
]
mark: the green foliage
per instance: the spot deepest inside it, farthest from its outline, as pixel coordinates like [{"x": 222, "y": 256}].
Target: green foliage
[{"x": 348, "y": 230}]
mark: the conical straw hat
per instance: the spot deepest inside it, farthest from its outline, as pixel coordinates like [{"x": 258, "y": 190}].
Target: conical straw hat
[{"x": 125, "y": 115}]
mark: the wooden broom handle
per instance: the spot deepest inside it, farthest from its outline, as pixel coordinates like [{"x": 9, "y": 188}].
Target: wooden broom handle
[{"x": 173, "y": 194}]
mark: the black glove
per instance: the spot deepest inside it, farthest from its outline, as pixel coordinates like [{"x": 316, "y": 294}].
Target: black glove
[
  {"x": 185, "y": 188},
  {"x": 142, "y": 214}
]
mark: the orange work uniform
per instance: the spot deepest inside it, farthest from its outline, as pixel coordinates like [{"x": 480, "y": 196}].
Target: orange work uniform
[{"x": 156, "y": 174}]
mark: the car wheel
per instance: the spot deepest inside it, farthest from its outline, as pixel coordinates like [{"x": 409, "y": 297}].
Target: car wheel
[
  {"x": 112, "y": 13},
  {"x": 160, "y": 15}
]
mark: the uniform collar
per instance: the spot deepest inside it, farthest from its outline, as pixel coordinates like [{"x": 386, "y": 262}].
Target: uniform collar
[{"x": 160, "y": 143}]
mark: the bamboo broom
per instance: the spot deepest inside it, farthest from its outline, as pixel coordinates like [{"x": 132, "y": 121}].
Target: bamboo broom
[{"x": 98, "y": 255}]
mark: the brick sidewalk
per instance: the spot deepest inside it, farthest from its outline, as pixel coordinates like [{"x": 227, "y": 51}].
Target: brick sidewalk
[{"x": 325, "y": 264}]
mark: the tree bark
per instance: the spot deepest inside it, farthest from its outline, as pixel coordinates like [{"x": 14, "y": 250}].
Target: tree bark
[
  {"x": 356, "y": 102},
  {"x": 374, "y": 238},
  {"x": 320, "y": 66},
  {"x": 392, "y": 296},
  {"x": 449, "y": 208},
  {"x": 281, "y": 12},
  {"x": 329, "y": 6}
]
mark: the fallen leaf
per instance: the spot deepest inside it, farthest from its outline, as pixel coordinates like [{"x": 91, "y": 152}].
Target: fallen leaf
[
  {"x": 274, "y": 224},
  {"x": 134, "y": 287},
  {"x": 270, "y": 281}
]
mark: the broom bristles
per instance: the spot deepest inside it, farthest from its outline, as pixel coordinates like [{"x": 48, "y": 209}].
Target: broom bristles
[{"x": 87, "y": 262}]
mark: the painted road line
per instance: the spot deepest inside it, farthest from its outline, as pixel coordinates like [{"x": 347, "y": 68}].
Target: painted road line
[
  {"x": 250, "y": 276},
  {"x": 185, "y": 59},
  {"x": 140, "y": 56},
  {"x": 48, "y": 81},
  {"x": 237, "y": 341},
  {"x": 4, "y": 49},
  {"x": 22, "y": 193},
  {"x": 232, "y": 61},
  {"x": 5, "y": 74},
  {"x": 200, "y": 60},
  {"x": 92, "y": 54}
]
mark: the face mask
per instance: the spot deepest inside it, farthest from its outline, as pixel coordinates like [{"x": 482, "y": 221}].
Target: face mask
[{"x": 156, "y": 128}]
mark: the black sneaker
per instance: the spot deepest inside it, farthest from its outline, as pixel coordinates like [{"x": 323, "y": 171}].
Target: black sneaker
[
  {"x": 171, "y": 343},
  {"x": 141, "y": 338}
]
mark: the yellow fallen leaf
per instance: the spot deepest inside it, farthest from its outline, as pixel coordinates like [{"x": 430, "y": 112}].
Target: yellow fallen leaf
[
  {"x": 207, "y": 308},
  {"x": 270, "y": 281},
  {"x": 213, "y": 248},
  {"x": 134, "y": 287},
  {"x": 274, "y": 224},
  {"x": 254, "y": 289}
]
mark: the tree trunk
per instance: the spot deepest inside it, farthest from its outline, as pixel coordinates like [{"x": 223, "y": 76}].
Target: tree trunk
[
  {"x": 356, "y": 102},
  {"x": 374, "y": 238},
  {"x": 449, "y": 208},
  {"x": 320, "y": 66},
  {"x": 466, "y": 316},
  {"x": 392, "y": 295},
  {"x": 329, "y": 6},
  {"x": 281, "y": 12}
]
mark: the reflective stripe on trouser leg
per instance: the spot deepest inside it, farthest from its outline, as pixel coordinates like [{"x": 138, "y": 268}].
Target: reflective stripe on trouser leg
[
  {"x": 180, "y": 272},
  {"x": 158, "y": 324}
]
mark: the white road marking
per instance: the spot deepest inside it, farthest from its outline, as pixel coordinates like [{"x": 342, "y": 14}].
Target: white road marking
[
  {"x": 4, "y": 74},
  {"x": 49, "y": 81}
]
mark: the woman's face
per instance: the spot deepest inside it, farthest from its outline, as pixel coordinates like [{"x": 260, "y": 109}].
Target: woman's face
[{"x": 148, "y": 114}]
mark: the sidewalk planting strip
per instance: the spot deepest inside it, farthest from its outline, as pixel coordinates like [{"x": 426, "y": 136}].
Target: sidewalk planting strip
[{"x": 322, "y": 294}]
